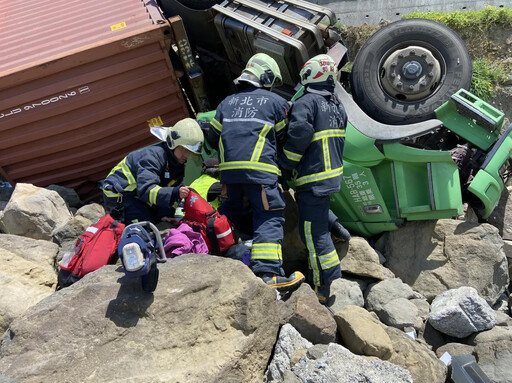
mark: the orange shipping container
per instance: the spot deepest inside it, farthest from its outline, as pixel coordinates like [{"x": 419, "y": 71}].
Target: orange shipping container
[{"x": 81, "y": 82}]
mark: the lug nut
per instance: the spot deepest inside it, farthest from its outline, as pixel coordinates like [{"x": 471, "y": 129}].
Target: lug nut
[
  {"x": 399, "y": 84},
  {"x": 412, "y": 52},
  {"x": 411, "y": 87}
]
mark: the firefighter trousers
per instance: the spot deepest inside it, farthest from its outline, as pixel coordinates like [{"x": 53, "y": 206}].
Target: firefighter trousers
[
  {"x": 267, "y": 205},
  {"x": 314, "y": 225}
]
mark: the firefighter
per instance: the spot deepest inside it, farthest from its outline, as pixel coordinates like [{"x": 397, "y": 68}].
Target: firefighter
[
  {"x": 147, "y": 183},
  {"x": 208, "y": 185},
  {"x": 247, "y": 131},
  {"x": 314, "y": 150}
]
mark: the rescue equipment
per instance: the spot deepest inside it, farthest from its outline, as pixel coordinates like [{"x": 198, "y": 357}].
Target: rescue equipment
[
  {"x": 215, "y": 228},
  {"x": 140, "y": 249},
  {"x": 95, "y": 248}
]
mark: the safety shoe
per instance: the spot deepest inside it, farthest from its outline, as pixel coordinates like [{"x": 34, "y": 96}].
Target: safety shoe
[
  {"x": 322, "y": 293},
  {"x": 338, "y": 231},
  {"x": 281, "y": 283}
]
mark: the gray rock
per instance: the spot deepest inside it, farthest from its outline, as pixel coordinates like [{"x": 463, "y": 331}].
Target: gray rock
[
  {"x": 209, "y": 319},
  {"x": 344, "y": 293},
  {"x": 361, "y": 333},
  {"x": 379, "y": 294},
  {"x": 399, "y": 313},
  {"x": 289, "y": 344},
  {"x": 435, "y": 256},
  {"x": 297, "y": 360},
  {"x": 313, "y": 321},
  {"x": 92, "y": 212},
  {"x": 71, "y": 230},
  {"x": 339, "y": 365},
  {"x": 70, "y": 196},
  {"x": 461, "y": 312},
  {"x": 26, "y": 275},
  {"x": 34, "y": 212},
  {"x": 421, "y": 362},
  {"x": 359, "y": 258},
  {"x": 454, "y": 349},
  {"x": 493, "y": 350}
]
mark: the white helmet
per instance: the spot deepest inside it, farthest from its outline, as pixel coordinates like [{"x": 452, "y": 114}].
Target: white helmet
[
  {"x": 186, "y": 133},
  {"x": 320, "y": 69}
]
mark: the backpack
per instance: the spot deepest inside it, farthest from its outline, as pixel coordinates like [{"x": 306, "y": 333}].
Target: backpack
[
  {"x": 215, "y": 228},
  {"x": 96, "y": 247}
]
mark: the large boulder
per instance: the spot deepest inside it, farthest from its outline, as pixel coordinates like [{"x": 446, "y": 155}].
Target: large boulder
[
  {"x": 303, "y": 311},
  {"x": 27, "y": 275},
  {"x": 34, "y": 212},
  {"x": 359, "y": 258},
  {"x": 461, "y": 312},
  {"x": 435, "y": 256},
  {"x": 209, "y": 319},
  {"x": 493, "y": 350},
  {"x": 297, "y": 360},
  {"x": 361, "y": 333},
  {"x": 422, "y": 363}
]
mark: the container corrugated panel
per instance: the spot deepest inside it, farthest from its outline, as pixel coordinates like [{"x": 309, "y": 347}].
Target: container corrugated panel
[{"x": 81, "y": 82}]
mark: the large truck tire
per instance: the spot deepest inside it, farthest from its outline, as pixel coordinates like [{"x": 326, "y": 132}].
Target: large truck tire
[
  {"x": 407, "y": 69},
  {"x": 199, "y": 5}
]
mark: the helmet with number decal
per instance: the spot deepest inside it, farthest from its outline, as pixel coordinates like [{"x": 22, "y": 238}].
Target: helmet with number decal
[
  {"x": 186, "y": 133},
  {"x": 320, "y": 70},
  {"x": 261, "y": 71}
]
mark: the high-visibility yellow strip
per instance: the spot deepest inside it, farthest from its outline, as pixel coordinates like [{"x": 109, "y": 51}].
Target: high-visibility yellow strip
[
  {"x": 221, "y": 151},
  {"x": 234, "y": 165},
  {"x": 312, "y": 253},
  {"x": 132, "y": 184},
  {"x": 256, "y": 154},
  {"x": 216, "y": 124},
  {"x": 109, "y": 193},
  {"x": 281, "y": 124},
  {"x": 153, "y": 194},
  {"x": 328, "y": 133},
  {"x": 327, "y": 156},
  {"x": 329, "y": 260},
  {"x": 292, "y": 156},
  {"x": 319, "y": 176},
  {"x": 266, "y": 251}
]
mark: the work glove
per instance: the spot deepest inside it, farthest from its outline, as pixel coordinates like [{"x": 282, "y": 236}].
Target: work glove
[{"x": 286, "y": 175}]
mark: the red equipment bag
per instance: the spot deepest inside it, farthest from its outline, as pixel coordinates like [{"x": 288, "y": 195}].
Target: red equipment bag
[
  {"x": 215, "y": 228},
  {"x": 95, "y": 248}
]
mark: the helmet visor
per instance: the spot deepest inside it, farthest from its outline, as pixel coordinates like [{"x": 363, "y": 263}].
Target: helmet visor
[{"x": 195, "y": 148}]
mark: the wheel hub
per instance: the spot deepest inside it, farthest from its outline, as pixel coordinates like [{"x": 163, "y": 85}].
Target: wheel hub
[{"x": 411, "y": 73}]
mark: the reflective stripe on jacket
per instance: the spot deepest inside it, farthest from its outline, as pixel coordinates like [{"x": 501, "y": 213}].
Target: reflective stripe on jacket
[
  {"x": 316, "y": 136},
  {"x": 248, "y": 130},
  {"x": 153, "y": 174}
]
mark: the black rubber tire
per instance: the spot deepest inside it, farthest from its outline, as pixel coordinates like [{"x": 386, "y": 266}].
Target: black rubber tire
[
  {"x": 367, "y": 77},
  {"x": 150, "y": 280},
  {"x": 199, "y": 5}
]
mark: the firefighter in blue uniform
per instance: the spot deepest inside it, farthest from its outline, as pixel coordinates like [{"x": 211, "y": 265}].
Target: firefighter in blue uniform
[
  {"x": 314, "y": 150},
  {"x": 247, "y": 131},
  {"x": 147, "y": 183}
]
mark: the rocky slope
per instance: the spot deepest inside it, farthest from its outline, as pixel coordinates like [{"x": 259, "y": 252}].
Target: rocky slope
[{"x": 427, "y": 290}]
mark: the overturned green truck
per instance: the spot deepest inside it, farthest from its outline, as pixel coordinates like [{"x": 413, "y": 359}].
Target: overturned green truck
[{"x": 80, "y": 99}]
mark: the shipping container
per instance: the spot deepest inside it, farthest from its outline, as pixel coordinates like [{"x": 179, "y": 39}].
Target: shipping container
[{"x": 81, "y": 82}]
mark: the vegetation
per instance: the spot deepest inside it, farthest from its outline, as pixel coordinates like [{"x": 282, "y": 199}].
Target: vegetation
[
  {"x": 481, "y": 20},
  {"x": 486, "y": 75}
]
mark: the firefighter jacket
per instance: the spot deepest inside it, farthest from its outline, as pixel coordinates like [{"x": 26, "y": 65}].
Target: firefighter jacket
[
  {"x": 248, "y": 130},
  {"x": 314, "y": 147},
  {"x": 153, "y": 174}
]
